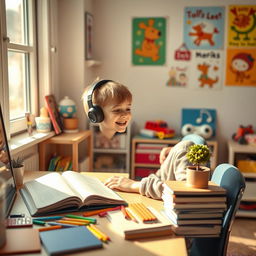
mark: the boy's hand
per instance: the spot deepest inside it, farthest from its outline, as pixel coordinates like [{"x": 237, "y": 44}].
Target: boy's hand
[
  {"x": 163, "y": 154},
  {"x": 123, "y": 184}
]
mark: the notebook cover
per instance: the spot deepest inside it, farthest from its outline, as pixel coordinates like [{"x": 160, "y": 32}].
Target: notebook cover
[
  {"x": 22, "y": 240},
  {"x": 68, "y": 240}
]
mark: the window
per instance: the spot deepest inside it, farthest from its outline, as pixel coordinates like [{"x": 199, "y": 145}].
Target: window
[{"x": 19, "y": 78}]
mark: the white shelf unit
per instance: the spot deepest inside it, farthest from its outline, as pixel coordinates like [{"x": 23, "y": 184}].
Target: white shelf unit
[
  {"x": 111, "y": 155},
  {"x": 238, "y": 152}
]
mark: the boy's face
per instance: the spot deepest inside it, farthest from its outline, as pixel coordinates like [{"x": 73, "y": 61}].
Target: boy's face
[{"x": 116, "y": 118}]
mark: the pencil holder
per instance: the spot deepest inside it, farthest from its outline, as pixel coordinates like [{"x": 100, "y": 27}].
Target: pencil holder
[{"x": 43, "y": 124}]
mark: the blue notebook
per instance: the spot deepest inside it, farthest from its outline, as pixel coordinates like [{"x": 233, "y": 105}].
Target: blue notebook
[{"x": 68, "y": 240}]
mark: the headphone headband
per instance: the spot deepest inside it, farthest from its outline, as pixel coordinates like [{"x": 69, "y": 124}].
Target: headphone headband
[{"x": 95, "y": 112}]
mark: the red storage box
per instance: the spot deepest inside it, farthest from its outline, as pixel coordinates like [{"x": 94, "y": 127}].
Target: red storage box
[
  {"x": 147, "y": 156},
  {"x": 143, "y": 172}
]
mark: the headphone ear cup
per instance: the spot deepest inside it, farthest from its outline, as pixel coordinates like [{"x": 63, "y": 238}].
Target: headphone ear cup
[{"x": 95, "y": 114}]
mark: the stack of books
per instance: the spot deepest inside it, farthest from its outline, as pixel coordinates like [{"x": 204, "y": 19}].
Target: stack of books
[{"x": 194, "y": 211}]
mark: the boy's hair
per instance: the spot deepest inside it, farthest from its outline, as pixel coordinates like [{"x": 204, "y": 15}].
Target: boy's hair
[{"x": 109, "y": 92}]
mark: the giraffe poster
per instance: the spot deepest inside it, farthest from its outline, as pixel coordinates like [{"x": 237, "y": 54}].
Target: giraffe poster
[
  {"x": 242, "y": 26},
  {"x": 206, "y": 72},
  {"x": 204, "y": 27},
  {"x": 241, "y": 67},
  {"x": 148, "y": 41}
]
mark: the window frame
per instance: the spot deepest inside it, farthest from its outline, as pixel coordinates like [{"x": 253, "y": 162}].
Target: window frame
[{"x": 19, "y": 125}]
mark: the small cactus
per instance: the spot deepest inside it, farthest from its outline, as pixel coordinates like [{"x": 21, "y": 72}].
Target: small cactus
[{"x": 198, "y": 155}]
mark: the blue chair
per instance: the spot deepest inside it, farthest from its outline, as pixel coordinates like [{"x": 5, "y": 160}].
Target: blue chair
[
  {"x": 197, "y": 139},
  {"x": 230, "y": 178}
]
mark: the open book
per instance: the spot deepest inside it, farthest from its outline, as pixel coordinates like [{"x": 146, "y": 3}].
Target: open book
[{"x": 69, "y": 191}]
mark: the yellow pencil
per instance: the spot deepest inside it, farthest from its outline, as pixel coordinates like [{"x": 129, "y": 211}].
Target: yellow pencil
[
  {"x": 49, "y": 228},
  {"x": 72, "y": 222},
  {"x": 105, "y": 237},
  {"x": 129, "y": 213},
  {"x": 77, "y": 220},
  {"x": 93, "y": 231}
]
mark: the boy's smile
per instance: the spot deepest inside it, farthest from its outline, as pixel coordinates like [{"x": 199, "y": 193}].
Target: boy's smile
[{"x": 116, "y": 118}]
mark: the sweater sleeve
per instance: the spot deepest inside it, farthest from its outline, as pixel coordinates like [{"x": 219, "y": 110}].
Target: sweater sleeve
[{"x": 173, "y": 168}]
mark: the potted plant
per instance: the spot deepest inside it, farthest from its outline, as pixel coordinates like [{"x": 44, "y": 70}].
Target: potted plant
[
  {"x": 18, "y": 170},
  {"x": 197, "y": 174}
]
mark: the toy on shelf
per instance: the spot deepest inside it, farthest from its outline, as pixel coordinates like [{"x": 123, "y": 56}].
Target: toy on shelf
[
  {"x": 43, "y": 122},
  {"x": 241, "y": 133},
  {"x": 158, "y": 128},
  {"x": 67, "y": 109}
]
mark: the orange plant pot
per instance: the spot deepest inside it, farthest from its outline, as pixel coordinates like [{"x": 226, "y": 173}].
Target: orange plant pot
[{"x": 197, "y": 179}]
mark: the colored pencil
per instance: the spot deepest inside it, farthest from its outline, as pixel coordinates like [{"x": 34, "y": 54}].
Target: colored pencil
[
  {"x": 131, "y": 216},
  {"x": 72, "y": 222},
  {"x": 92, "y": 220},
  {"x": 95, "y": 212},
  {"x": 38, "y": 222},
  {"x": 49, "y": 228},
  {"x": 48, "y": 218},
  {"x": 105, "y": 237},
  {"x": 77, "y": 220},
  {"x": 61, "y": 224},
  {"x": 125, "y": 213}
]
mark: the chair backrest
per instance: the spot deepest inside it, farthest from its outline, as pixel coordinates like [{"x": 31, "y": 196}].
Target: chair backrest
[
  {"x": 230, "y": 178},
  {"x": 197, "y": 139}
]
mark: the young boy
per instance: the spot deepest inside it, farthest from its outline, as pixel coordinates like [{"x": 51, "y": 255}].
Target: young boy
[
  {"x": 172, "y": 168},
  {"x": 108, "y": 103}
]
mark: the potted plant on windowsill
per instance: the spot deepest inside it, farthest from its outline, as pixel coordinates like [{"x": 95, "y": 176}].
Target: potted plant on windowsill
[
  {"x": 18, "y": 170},
  {"x": 197, "y": 174}
]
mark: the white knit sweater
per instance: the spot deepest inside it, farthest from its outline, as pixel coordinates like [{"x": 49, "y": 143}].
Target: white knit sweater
[{"x": 173, "y": 168}]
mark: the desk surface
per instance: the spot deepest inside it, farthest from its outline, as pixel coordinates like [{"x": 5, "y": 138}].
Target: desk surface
[{"x": 166, "y": 245}]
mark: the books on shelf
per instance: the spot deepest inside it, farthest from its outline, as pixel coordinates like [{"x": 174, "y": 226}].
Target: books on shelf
[
  {"x": 67, "y": 191},
  {"x": 130, "y": 229},
  {"x": 194, "y": 211}
]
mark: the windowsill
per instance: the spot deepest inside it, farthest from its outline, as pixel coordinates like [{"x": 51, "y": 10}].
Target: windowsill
[{"x": 23, "y": 141}]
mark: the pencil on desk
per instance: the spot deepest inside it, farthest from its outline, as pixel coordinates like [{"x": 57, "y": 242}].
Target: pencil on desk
[
  {"x": 92, "y": 220},
  {"x": 48, "y": 218},
  {"x": 143, "y": 213},
  {"x": 95, "y": 212},
  {"x": 123, "y": 210},
  {"x": 76, "y": 220},
  {"x": 96, "y": 234},
  {"x": 64, "y": 225},
  {"x": 72, "y": 222},
  {"x": 129, "y": 213},
  {"x": 104, "y": 237},
  {"x": 38, "y": 222},
  {"x": 49, "y": 228}
]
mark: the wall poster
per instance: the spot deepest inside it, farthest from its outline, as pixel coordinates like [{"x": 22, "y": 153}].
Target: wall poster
[
  {"x": 148, "y": 41},
  {"x": 204, "y": 27},
  {"x": 178, "y": 76},
  {"x": 241, "y": 67},
  {"x": 207, "y": 70},
  {"x": 242, "y": 26}
]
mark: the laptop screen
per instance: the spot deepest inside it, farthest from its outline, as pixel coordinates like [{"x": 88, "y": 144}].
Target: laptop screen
[{"x": 6, "y": 172}]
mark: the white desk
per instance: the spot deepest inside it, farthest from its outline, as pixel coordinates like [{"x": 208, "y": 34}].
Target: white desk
[{"x": 165, "y": 245}]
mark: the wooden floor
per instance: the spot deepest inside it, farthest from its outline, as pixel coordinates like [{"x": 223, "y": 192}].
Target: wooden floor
[{"x": 242, "y": 241}]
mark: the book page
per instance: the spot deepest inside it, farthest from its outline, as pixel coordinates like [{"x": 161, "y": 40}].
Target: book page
[
  {"x": 88, "y": 186},
  {"x": 56, "y": 181}
]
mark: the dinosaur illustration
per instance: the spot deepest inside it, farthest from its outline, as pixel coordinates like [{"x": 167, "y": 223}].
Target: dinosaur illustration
[
  {"x": 204, "y": 78},
  {"x": 241, "y": 21},
  {"x": 149, "y": 48},
  {"x": 201, "y": 35}
]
